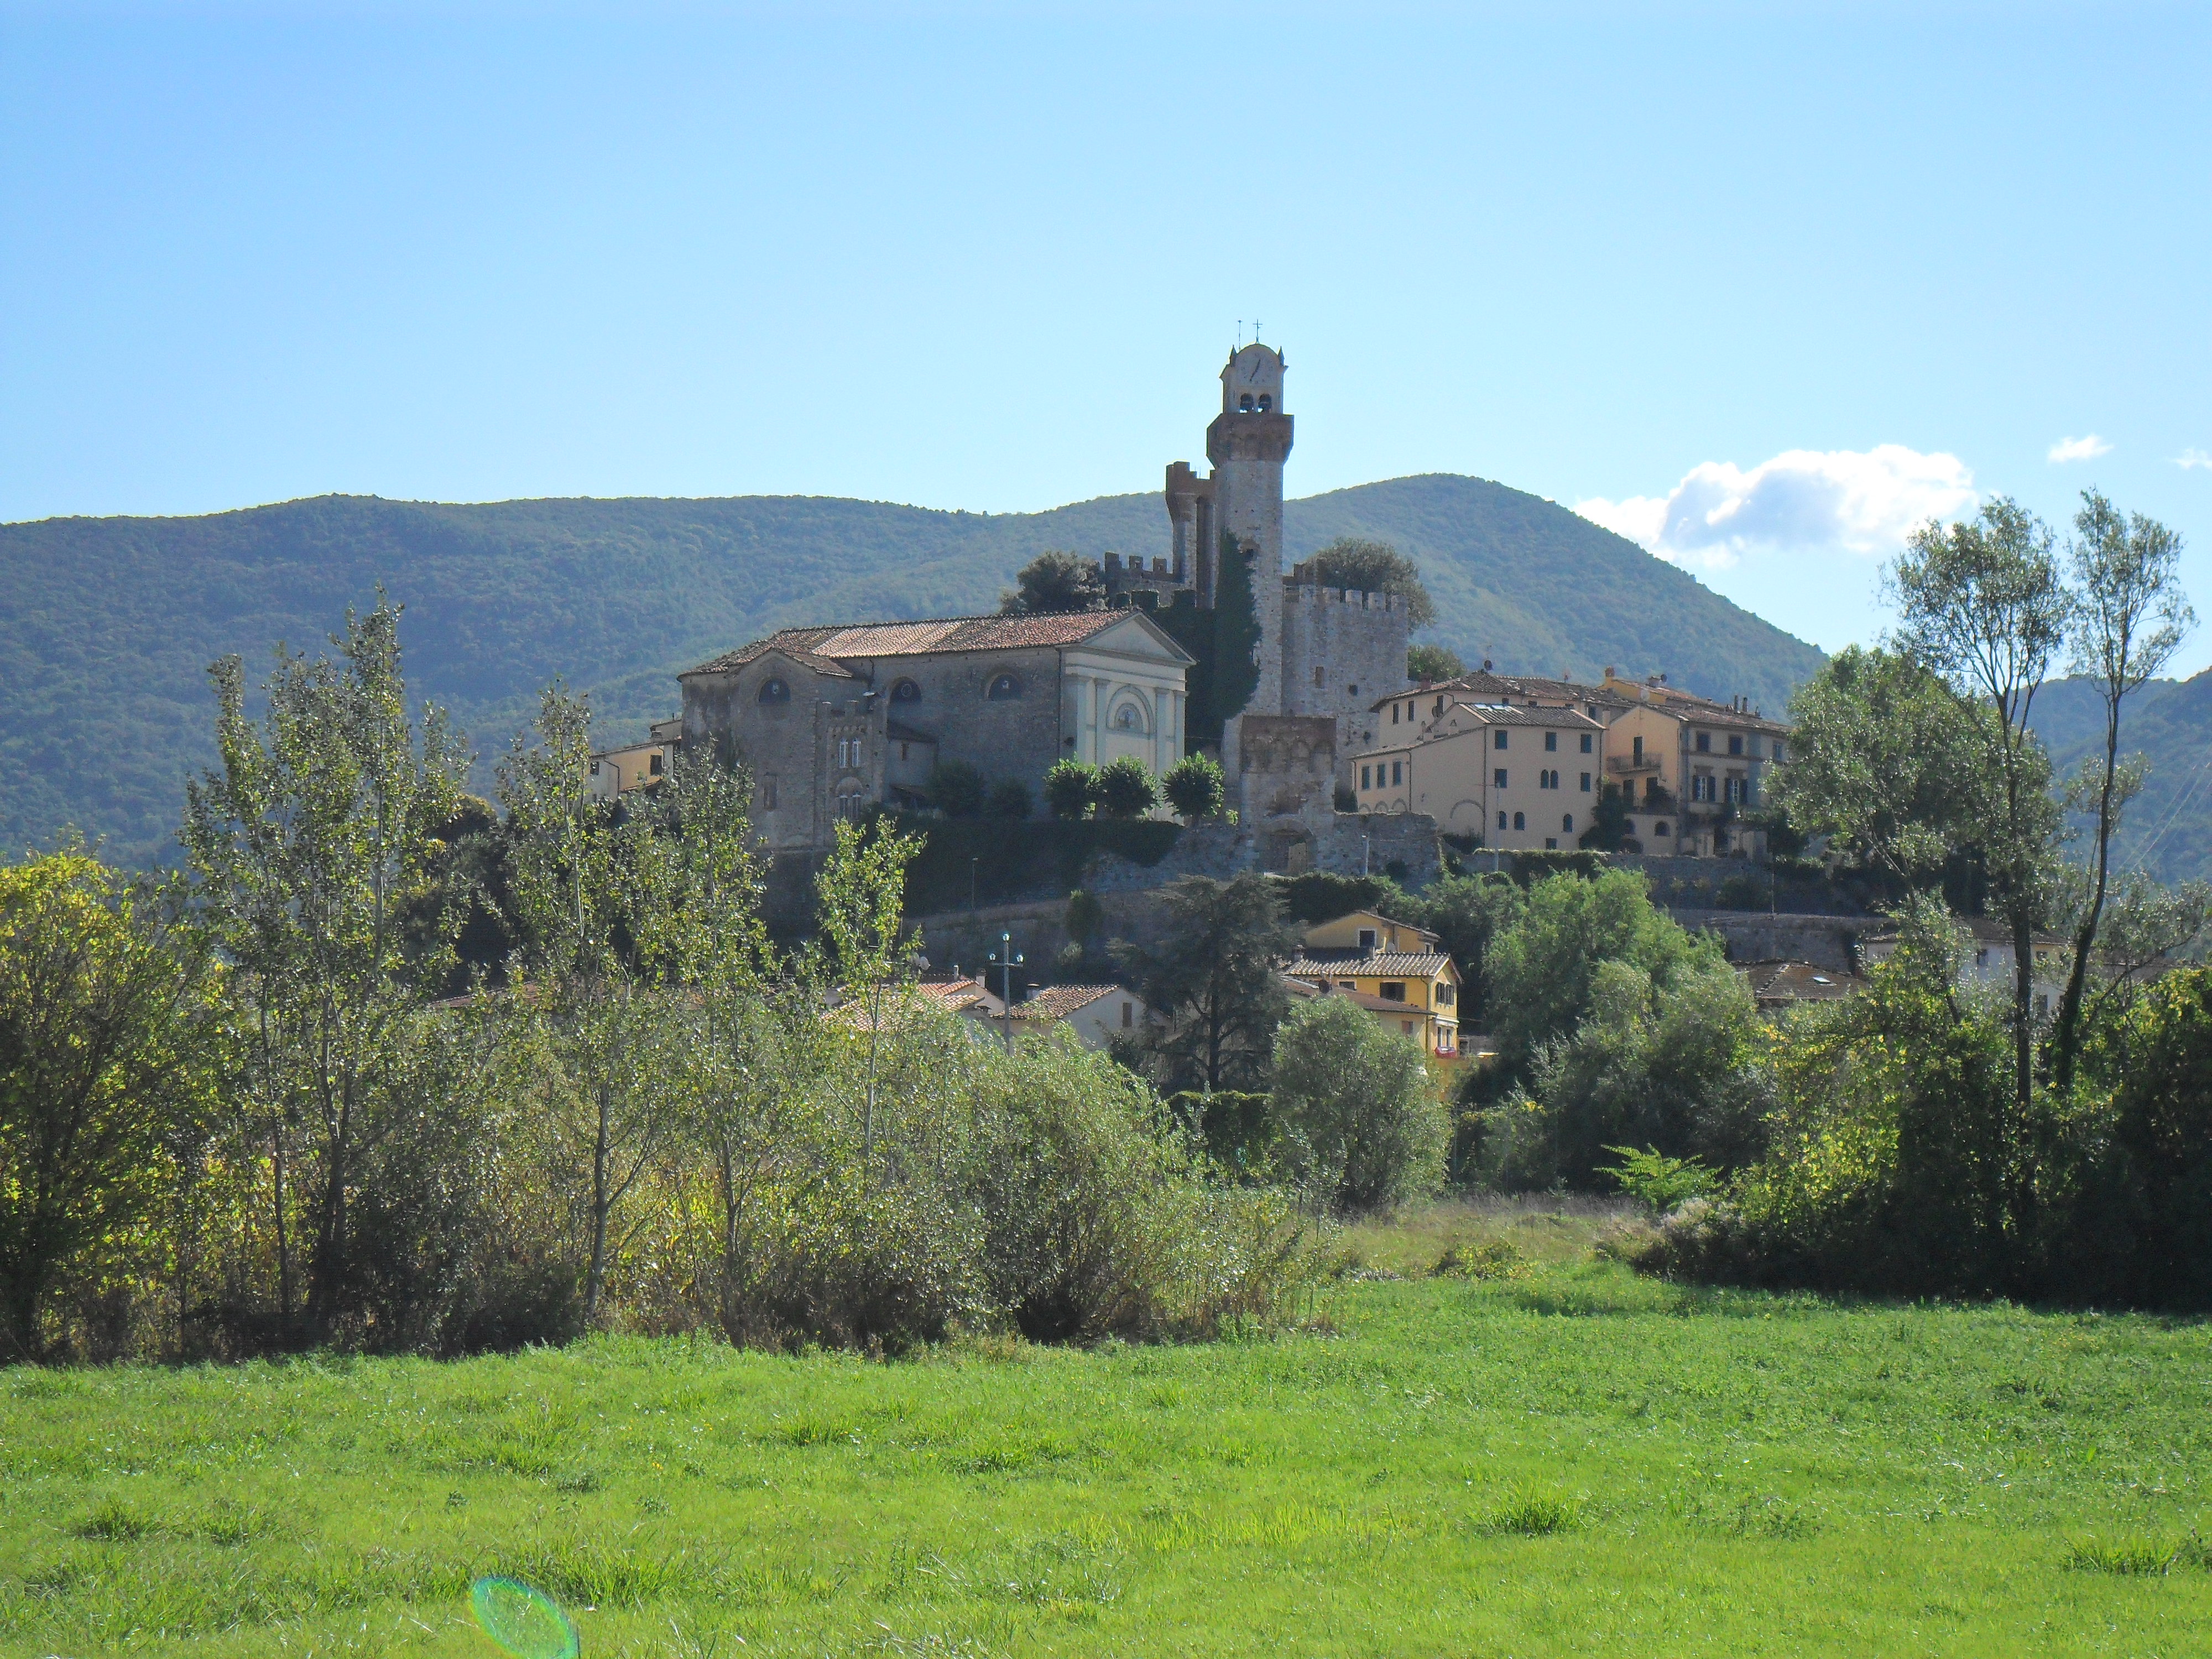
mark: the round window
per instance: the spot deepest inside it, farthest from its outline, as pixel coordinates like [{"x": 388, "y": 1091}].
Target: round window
[
  {"x": 775, "y": 691},
  {"x": 906, "y": 691},
  {"x": 1004, "y": 686}
]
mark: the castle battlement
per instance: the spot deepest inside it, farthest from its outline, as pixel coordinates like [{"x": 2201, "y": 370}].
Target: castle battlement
[{"x": 1351, "y": 597}]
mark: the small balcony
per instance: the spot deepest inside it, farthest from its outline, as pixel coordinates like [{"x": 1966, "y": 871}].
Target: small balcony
[{"x": 1629, "y": 766}]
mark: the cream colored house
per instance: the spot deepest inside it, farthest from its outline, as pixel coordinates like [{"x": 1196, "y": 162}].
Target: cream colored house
[
  {"x": 1095, "y": 1014},
  {"x": 1691, "y": 767},
  {"x": 1520, "y": 778},
  {"x": 1398, "y": 973}
]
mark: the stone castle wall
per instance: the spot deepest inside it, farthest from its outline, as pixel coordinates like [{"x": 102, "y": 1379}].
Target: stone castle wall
[{"x": 1342, "y": 651}]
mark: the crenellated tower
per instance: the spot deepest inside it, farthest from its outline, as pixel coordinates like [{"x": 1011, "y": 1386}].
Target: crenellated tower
[{"x": 1247, "y": 444}]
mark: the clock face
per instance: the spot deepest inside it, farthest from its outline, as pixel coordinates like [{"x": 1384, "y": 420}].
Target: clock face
[{"x": 1258, "y": 363}]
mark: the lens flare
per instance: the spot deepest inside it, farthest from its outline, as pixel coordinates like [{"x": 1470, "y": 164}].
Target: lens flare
[{"x": 525, "y": 1621}]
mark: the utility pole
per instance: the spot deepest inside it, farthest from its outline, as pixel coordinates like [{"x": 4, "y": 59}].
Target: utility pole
[{"x": 1006, "y": 958}]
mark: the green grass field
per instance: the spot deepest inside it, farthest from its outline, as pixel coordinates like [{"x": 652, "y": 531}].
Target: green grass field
[{"x": 1536, "y": 1454}]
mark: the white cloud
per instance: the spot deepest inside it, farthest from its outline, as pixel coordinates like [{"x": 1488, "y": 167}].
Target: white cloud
[
  {"x": 1860, "y": 501},
  {"x": 2193, "y": 458},
  {"x": 2087, "y": 448}
]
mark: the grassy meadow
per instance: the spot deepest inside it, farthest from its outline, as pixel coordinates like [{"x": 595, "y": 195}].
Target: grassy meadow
[{"x": 1532, "y": 1452}]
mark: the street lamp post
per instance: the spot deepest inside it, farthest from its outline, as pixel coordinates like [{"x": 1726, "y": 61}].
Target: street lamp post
[{"x": 1006, "y": 959}]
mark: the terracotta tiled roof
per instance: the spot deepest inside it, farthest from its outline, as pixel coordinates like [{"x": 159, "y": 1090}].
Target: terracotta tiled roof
[
  {"x": 1058, "y": 1001},
  {"x": 834, "y": 645},
  {"x": 1391, "y": 964},
  {"x": 1798, "y": 981}
]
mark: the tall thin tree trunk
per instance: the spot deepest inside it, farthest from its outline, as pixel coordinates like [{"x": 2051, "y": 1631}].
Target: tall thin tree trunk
[
  {"x": 2066, "y": 1032},
  {"x": 600, "y": 1205},
  {"x": 283, "y": 1234}
]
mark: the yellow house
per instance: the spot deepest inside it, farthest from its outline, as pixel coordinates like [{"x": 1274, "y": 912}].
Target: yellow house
[
  {"x": 1396, "y": 971},
  {"x": 1690, "y": 768},
  {"x": 1519, "y": 778},
  {"x": 617, "y": 771}
]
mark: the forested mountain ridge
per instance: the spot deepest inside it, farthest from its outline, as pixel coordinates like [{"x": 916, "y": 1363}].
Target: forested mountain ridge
[
  {"x": 111, "y": 623},
  {"x": 2167, "y": 830}
]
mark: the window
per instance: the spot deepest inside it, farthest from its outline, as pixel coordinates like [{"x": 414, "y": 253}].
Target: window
[
  {"x": 906, "y": 691},
  {"x": 1129, "y": 1015},
  {"x": 1439, "y": 708},
  {"x": 1497, "y": 740},
  {"x": 1392, "y": 990},
  {"x": 1585, "y": 776},
  {"x": 1127, "y": 718},
  {"x": 768, "y": 792},
  {"x": 1736, "y": 743},
  {"x": 1551, "y": 781},
  {"x": 1394, "y": 707},
  {"x": 1445, "y": 996},
  {"x": 595, "y": 768},
  {"x": 1501, "y": 820},
  {"x": 1704, "y": 742},
  {"x": 1347, "y": 985},
  {"x": 1550, "y": 844},
  {"x": 1638, "y": 753},
  {"x": 1244, "y": 404},
  {"x": 1367, "y": 939},
  {"x": 652, "y": 766},
  {"x": 1550, "y": 742},
  {"x": 1004, "y": 687},
  {"x": 1397, "y": 773},
  {"x": 775, "y": 691},
  {"x": 1520, "y": 820},
  {"x": 1366, "y": 781},
  {"x": 1351, "y": 691},
  {"x": 1586, "y": 743},
  {"x": 1405, "y": 1026},
  {"x": 1566, "y": 824},
  {"x": 1320, "y": 674},
  {"x": 1777, "y": 749},
  {"x": 903, "y": 752},
  {"x": 1497, "y": 779},
  {"x": 1736, "y": 791},
  {"x": 1660, "y": 828}
]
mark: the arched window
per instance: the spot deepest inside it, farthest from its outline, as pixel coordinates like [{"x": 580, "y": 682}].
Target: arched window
[
  {"x": 1501, "y": 820},
  {"x": 1128, "y": 718},
  {"x": 1567, "y": 822},
  {"x": 775, "y": 691},
  {"x": 1660, "y": 828},
  {"x": 1244, "y": 404},
  {"x": 1520, "y": 820},
  {"x": 1266, "y": 402},
  {"x": 1003, "y": 687},
  {"x": 906, "y": 691}
]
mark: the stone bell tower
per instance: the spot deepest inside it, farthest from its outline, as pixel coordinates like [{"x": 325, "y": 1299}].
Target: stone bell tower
[{"x": 1247, "y": 444}]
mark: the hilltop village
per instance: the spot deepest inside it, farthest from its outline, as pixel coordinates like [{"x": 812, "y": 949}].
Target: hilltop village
[{"x": 1329, "y": 732}]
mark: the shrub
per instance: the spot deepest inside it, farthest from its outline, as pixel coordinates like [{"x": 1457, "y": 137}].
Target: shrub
[
  {"x": 1362, "y": 1128},
  {"x": 1070, "y": 787},
  {"x": 1194, "y": 787},
  {"x": 2156, "y": 1193},
  {"x": 1125, "y": 789},
  {"x": 955, "y": 789},
  {"x": 1010, "y": 799}
]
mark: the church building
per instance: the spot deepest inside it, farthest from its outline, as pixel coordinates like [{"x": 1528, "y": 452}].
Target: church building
[{"x": 834, "y": 721}]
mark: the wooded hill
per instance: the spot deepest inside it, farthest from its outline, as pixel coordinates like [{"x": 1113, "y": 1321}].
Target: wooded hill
[
  {"x": 111, "y": 622},
  {"x": 2168, "y": 828}
]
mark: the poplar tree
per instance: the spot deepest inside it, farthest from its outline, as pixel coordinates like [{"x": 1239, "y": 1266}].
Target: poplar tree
[{"x": 304, "y": 847}]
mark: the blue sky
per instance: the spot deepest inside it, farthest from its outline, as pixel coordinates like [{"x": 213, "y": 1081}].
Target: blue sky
[{"x": 1758, "y": 284}]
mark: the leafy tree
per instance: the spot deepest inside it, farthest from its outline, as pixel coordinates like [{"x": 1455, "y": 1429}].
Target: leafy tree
[
  {"x": 1315, "y": 896},
  {"x": 597, "y": 897},
  {"x": 1125, "y": 789},
  {"x": 1010, "y": 799},
  {"x": 106, "y": 1035},
  {"x": 1884, "y": 762},
  {"x": 2162, "y": 1133},
  {"x": 1372, "y": 567},
  {"x": 1983, "y": 606},
  {"x": 2133, "y": 616},
  {"x": 304, "y": 848},
  {"x": 1356, "y": 1106},
  {"x": 1070, "y": 787},
  {"x": 1429, "y": 664},
  {"x": 1540, "y": 969},
  {"x": 1666, "y": 1062},
  {"x": 1055, "y": 580},
  {"x": 1609, "y": 822},
  {"x": 1213, "y": 981},
  {"x": 1194, "y": 787},
  {"x": 860, "y": 893},
  {"x": 956, "y": 789}
]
